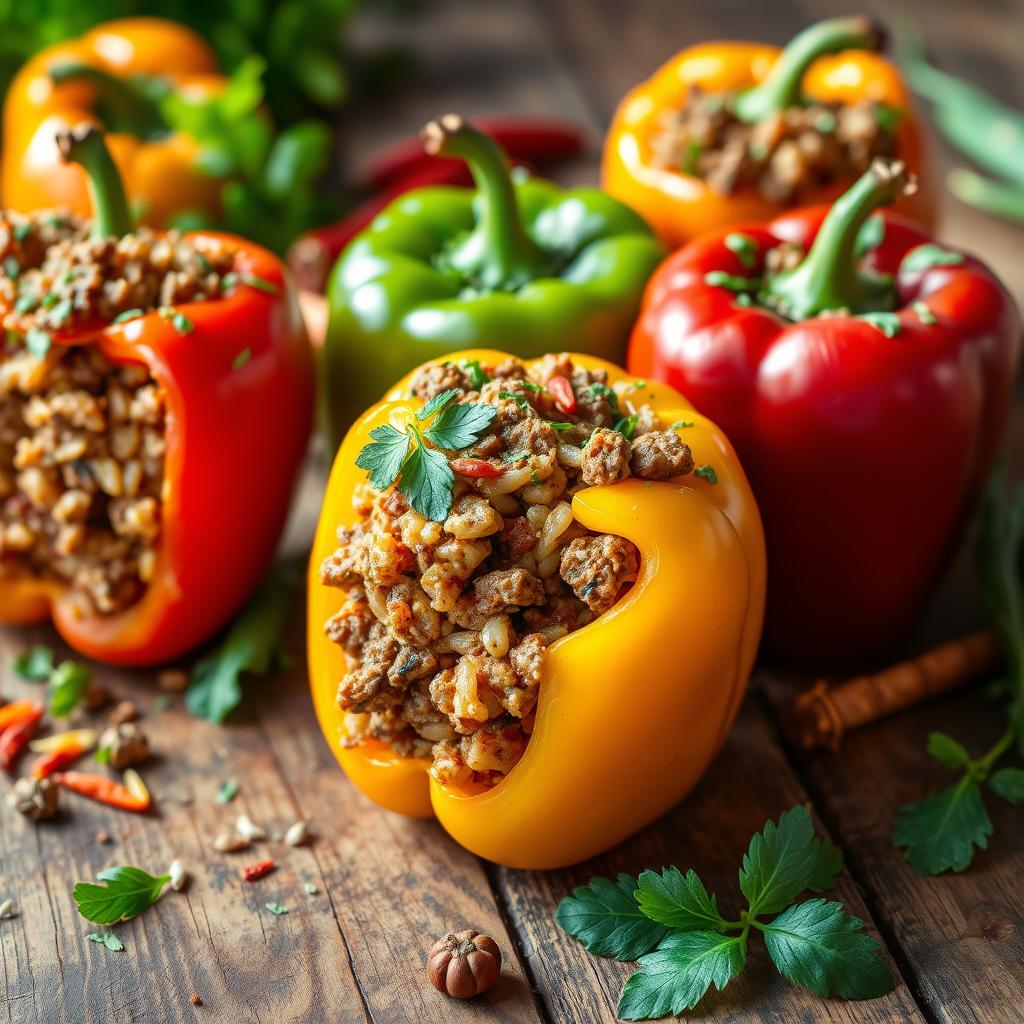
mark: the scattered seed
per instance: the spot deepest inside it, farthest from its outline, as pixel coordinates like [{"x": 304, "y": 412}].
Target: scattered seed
[
  {"x": 173, "y": 679},
  {"x": 297, "y": 834},
  {"x": 195, "y": 1000},
  {"x": 227, "y": 792},
  {"x": 123, "y": 711},
  {"x": 230, "y": 843},
  {"x": 311, "y": 888},
  {"x": 245, "y": 826},
  {"x": 178, "y": 876},
  {"x": 103, "y": 836},
  {"x": 7, "y": 910}
]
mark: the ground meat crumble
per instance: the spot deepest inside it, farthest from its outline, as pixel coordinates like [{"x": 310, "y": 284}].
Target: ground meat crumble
[
  {"x": 783, "y": 156},
  {"x": 82, "y": 438},
  {"x": 446, "y": 624}
]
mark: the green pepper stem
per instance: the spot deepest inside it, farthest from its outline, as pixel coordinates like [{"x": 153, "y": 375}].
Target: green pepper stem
[
  {"x": 130, "y": 104},
  {"x": 781, "y": 87},
  {"x": 85, "y": 145},
  {"x": 828, "y": 276},
  {"x": 498, "y": 253}
]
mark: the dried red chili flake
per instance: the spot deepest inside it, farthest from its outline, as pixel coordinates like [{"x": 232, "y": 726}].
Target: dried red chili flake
[
  {"x": 475, "y": 467},
  {"x": 256, "y": 871},
  {"x": 561, "y": 391}
]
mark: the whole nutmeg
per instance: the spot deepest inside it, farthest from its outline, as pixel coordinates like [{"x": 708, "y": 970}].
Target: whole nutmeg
[
  {"x": 126, "y": 744},
  {"x": 35, "y": 798},
  {"x": 464, "y": 964}
]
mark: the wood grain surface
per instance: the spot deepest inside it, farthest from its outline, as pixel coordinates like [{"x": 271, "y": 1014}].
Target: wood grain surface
[{"x": 388, "y": 887}]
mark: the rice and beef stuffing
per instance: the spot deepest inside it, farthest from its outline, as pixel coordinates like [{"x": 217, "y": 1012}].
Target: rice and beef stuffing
[
  {"x": 783, "y": 156},
  {"x": 445, "y": 624},
  {"x": 82, "y": 439}
]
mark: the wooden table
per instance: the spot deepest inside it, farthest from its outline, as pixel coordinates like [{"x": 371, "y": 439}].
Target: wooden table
[{"x": 354, "y": 951}]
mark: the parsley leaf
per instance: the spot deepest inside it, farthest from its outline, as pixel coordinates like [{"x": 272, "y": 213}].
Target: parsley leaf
[
  {"x": 605, "y": 919},
  {"x": 675, "y": 977},
  {"x": 819, "y": 946},
  {"x": 253, "y": 644},
  {"x": 677, "y": 900},
  {"x": 706, "y": 472},
  {"x": 438, "y": 402},
  {"x": 1008, "y": 784},
  {"x": 599, "y": 390},
  {"x": 128, "y": 892},
  {"x": 34, "y": 664},
  {"x": 428, "y": 482},
  {"x": 68, "y": 683},
  {"x": 478, "y": 377},
  {"x": 785, "y": 859},
  {"x": 947, "y": 751},
  {"x": 384, "y": 456},
  {"x": 627, "y": 426},
  {"x": 458, "y": 426},
  {"x": 108, "y": 939},
  {"x": 941, "y": 831}
]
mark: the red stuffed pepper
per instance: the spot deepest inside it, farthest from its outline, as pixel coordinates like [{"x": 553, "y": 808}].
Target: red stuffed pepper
[
  {"x": 865, "y": 375},
  {"x": 156, "y": 394}
]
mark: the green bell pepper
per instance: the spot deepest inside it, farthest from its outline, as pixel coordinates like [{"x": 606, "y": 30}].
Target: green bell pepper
[{"x": 518, "y": 264}]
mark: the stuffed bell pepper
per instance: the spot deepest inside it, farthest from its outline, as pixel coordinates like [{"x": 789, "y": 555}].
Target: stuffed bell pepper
[
  {"x": 519, "y": 262},
  {"x": 865, "y": 374},
  {"x": 730, "y": 132},
  {"x": 535, "y": 597},
  {"x": 156, "y": 393},
  {"x": 118, "y": 75}
]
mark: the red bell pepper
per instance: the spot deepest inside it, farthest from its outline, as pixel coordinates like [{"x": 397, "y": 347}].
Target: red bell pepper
[
  {"x": 866, "y": 393},
  {"x": 237, "y": 372}
]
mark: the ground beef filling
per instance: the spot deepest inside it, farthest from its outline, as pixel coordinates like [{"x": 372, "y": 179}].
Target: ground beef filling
[
  {"x": 82, "y": 439},
  {"x": 783, "y": 156},
  {"x": 445, "y": 624}
]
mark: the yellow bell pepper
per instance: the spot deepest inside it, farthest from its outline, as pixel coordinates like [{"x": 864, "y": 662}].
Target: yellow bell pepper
[{"x": 633, "y": 706}]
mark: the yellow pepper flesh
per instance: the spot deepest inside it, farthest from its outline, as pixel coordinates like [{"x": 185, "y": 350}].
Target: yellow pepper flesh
[{"x": 633, "y": 706}]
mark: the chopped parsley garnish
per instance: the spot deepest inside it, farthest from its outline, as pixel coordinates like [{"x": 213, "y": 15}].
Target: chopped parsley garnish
[
  {"x": 241, "y": 359},
  {"x": 681, "y": 424},
  {"x": 179, "y": 321},
  {"x": 22, "y": 231},
  {"x": 556, "y": 425},
  {"x": 129, "y": 314},
  {"x": 515, "y": 456},
  {"x": 37, "y": 342},
  {"x": 598, "y": 390},
  {"x": 49, "y": 300},
  {"x": 706, "y": 472},
  {"x": 744, "y": 247},
  {"x": 825, "y": 123},
  {"x": 478, "y": 377},
  {"x": 520, "y": 400},
  {"x": 423, "y": 474},
  {"x": 887, "y": 323},
  {"x": 12, "y": 268},
  {"x": 924, "y": 314},
  {"x": 26, "y": 303},
  {"x": 204, "y": 263},
  {"x": 924, "y": 257},
  {"x": 627, "y": 426}
]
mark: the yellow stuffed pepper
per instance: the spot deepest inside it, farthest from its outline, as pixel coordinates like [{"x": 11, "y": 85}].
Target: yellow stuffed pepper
[{"x": 535, "y": 594}]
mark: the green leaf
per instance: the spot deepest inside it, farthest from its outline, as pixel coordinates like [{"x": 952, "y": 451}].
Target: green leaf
[
  {"x": 227, "y": 792},
  {"x": 941, "y": 832},
  {"x": 438, "y": 402},
  {"x": 924, "y": 257},
  {"x": 947, "y": 751},
  {"x": 599, "y": 390},
  {"x": 458, "y": 426},
  {"x": 605, "y": 919},
  {"x": 276, "y": 909},
  {"x": 626, "y": 426},
  {"x": 34, "y": 664},
  {"x": 68, "y": 683},
  {"x": 428, "y": 482},
  {"x": 108, "y": 939},
  {"x": 707, "y": 472},
  {"x": 675, "y": 977},
  {"x": 384, "y": 456},
  {"x": 128, "y": 892},
  {"x": 1008, "y": 784},
  {"x": 310, "y": 889},
  {"x": 677, "y": 900},
  {"x": 870, "y": 236},
  {"x": 785, "y": 859},
  {"x": 254, "y": 644},
  {"x": 241, "y": 359},
  {"x": 478, "y": 377},
  {"x": 819, "y": 946}
]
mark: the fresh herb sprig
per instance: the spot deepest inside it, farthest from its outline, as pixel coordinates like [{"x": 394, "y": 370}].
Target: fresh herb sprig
[
  {"x": 423, "y": 473},
  {"x": 943, "y": 831},
  {"x": 670, "y": 924},
  {"x": 128, "y": 892}
]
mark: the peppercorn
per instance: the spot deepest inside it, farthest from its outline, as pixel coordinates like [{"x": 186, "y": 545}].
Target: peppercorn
[
  {"x": 126, "y": 744},
  {"x": 464, "y": 964},
  {"x": 37, "y": 799}
]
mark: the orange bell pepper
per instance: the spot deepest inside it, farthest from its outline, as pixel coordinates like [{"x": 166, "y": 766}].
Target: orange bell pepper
[
  {"x": 830, "y": 62},
  {"x": 239, "y": 397},
  {"x": 632, "y": 707},
  {"x": 104, "y": 74}
]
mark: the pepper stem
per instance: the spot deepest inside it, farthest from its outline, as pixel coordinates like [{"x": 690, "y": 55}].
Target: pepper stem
[
  {"x": 129, "y": 104},
  {"x": 828, "y": 277},
  {"x": 781, "y": 87},
  {"x": 498, "y": 254},
  {"x": 84, "y": 144}
]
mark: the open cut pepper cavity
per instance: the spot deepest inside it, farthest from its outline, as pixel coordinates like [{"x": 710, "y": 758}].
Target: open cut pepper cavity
[
  {"x": 700, "y": 555},
  {"x": 226, "y": 435}
]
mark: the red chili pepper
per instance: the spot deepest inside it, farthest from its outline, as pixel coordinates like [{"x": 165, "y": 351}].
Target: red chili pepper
[
  {"x": 106, "y": 791},
  {"x": 19, "y": 711},
  {"x": 475, "y": 467},
  {"x": 561, "y": 391},
  {"x": 14, "y": 738},
  {"x": 49, "y": 763},
  {"x": 256, "y": 871},
  {"x": 537, "y": 141}
]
